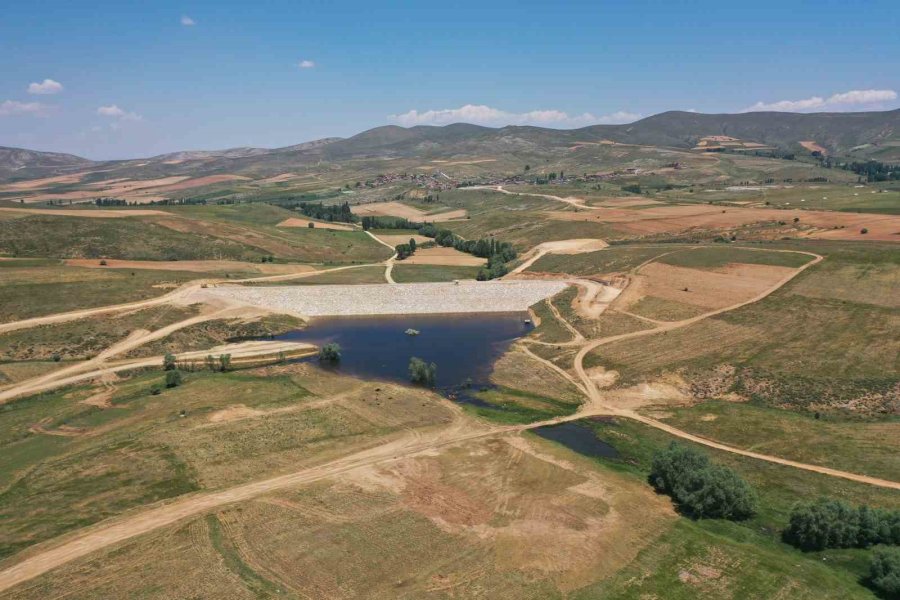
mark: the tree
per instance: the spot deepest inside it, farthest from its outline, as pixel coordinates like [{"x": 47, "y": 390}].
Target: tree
[
  {"x": 330, "y": 353},
  {"x": 210, "y": 362},
  {"x": 412, "y": 245},
  {"x": 828, "y": 523},
  {"x": 402, "y": 250},
  {"x": 169, "y": 362},
  {"x": 884, "y": 572},
  {"x": 173, "y": 378},
  {"x": 311, "y": 225},
  {"x": 224, "y": 362},
  {"x": 421, "y": 372},
  {"x": 699, "y": 488}
]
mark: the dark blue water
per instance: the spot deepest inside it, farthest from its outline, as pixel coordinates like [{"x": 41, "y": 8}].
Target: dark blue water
[
  {"x": 579, "y": 438},
  {"x": 464, "y": 347}
]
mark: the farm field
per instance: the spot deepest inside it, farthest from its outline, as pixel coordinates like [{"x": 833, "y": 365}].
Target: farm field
[{"x": 618, "y": 364}]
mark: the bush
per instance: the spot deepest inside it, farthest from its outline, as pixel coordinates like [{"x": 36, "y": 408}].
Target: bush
[
  {"x": 169, "y": 361},
  {"x": 829, "y": 523},
  {"x": 632, "y": 188},
  {"x": 884, "y": 572},
  {"x": 224, "y": 362},
  {"x": 421, "y": 372},
  {"x": 330, "y": 353},
  {"x": 699, "y": 488},
  {"x": 173, "y": 378}
]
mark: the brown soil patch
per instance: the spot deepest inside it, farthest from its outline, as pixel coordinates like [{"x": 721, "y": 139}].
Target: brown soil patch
[
  {"x": 297, "y": 222},
  {"x": 395, "y": 240},
  {"x": 91, "y": 214},
  {"x": 812, "y": 146},
  {"x": 709, "y": 289},
  {"x": 197, "y": 266},
  {"x": 625, "y": 202},
  {"x": 398, "y": 209},
  {"x": 443, "y": 256},
  {"x": 201, "y": 181},
  {"x": 673, "y": 219},
  {"x": 233, "y": 413},
  {"x": 35, "y": 184}
]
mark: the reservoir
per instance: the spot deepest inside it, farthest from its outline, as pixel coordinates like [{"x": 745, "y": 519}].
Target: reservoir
[{"x": 464, "y": 347}]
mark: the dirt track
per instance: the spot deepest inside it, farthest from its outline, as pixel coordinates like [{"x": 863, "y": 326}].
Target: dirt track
[{"x": 44, "y": 558}]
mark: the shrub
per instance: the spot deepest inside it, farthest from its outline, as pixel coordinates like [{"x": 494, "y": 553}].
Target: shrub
[
  {"x": 884, "y": 572},
  {"x": 224, "y": 362},
  {"x": 155, "y": 390},
  {"x": 169, "y": 361},
  {"x": 103, "y": 263},
  {"x": 330, "y": 353},
  {"x": 864, "y": 231},
  {"x": 421, "y": 372},
  {"x": 173, "y": 378},
  {"x": 699, "y": 488},
  {"x": 311, "y": 225}
]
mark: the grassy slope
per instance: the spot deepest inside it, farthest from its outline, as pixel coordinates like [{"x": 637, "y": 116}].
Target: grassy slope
[
  {"x": 735, "y": 560},
  {"x": 69, "y": 288},
  {"x": 86, "y": 337},
  {"x": 825, "y": 338}
]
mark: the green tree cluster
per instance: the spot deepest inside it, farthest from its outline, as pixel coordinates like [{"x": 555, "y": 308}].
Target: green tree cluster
[
  {"x": 701, "y": 489},
  {"x": 421, "y": 372},
  {"x": 884, "y": 572},
  {"x": 828, "y": 523},
  {"x": 328, "y": 212}
]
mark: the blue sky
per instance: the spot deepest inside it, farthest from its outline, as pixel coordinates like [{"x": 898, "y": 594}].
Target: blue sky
[{"x": 127, "y": 79}]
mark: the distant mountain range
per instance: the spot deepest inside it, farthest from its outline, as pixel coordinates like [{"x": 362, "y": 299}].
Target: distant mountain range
[{"x": 864, "y": 134}]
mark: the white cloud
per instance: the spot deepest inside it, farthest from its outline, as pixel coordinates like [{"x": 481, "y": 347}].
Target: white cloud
[
  {"x": 486, "y": 115},
  {"x": 869, "y": 98},
  {"x": 46, "y": 87},
  {"x": 13, "y": 107},
  {"x": 187, "y": 21},
  {"x": 307, "y": 64},
  {"x": 114, "y": 112}
]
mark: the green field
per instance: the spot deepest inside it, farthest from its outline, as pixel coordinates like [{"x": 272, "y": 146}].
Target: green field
[{"x": 418, "y": 273}]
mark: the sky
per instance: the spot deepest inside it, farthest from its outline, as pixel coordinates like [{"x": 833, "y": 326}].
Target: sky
[{"x": 126, "y": 79}]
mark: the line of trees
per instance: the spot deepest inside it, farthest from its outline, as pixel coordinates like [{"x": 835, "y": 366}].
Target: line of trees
[
  {"x": 388, "y": 223},
  {"x": 700, "y": 488},
  {"x": 828, "y": 523},
  {"x": 497, "y": 253},
  {"x": 328, "y": 212}
]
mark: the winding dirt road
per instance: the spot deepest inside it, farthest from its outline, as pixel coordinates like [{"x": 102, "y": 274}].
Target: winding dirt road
[{"x": 46, "y": 557}]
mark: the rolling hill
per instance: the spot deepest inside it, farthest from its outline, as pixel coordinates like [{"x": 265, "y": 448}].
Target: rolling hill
[{"x": 861, "y": 135}]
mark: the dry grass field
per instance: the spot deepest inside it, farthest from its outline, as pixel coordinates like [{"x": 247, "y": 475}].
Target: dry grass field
[{"x": 730, "y": 301}]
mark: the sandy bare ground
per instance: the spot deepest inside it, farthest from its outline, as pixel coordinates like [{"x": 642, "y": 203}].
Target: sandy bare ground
[
  {"x": 100, "y": 213},
  {"x": 672, "y": 219},
  {"x": 577, "y": 246},
  {"x": 443, "y": 256},
  {"x": 395, "y": 240},
  {"x": 297, "y": 222},
  {"x": 398, "y": 209},
  {"x": 699, "y": 287},
  {"x": 202, "y": 181},
  {"x": 196, "y": 266},
  {"x": 812, "y": 146}
]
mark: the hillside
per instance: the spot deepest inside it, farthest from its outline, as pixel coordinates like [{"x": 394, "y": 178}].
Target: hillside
[
  {"x": 26, "y": 164},
  {"x": 862, "y": 135}
]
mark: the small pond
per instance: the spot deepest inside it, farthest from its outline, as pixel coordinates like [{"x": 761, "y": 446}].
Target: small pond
[
  {"x": 464, "y": 347},
  {"x": 579, "y": 438}
]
